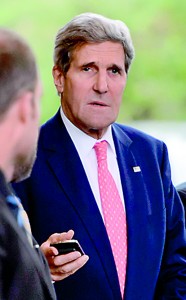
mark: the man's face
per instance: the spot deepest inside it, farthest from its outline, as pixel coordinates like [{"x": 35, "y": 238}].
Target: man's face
[
  {"x": 26, "y": 158},
  {"x": 93, "y": 87}
]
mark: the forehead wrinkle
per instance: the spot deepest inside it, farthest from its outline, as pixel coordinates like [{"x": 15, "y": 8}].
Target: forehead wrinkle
[{"x": 99, "y": 55}]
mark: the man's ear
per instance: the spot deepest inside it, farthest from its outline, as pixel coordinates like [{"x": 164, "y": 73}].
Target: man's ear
[
  {"x": 26, "y": 107},
  {"x": 58, "y": 79}
]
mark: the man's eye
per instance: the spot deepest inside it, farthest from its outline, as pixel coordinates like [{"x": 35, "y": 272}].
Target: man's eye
[
  {"x": 86, "y": 69},
  {"x": 115, "y": 71}
]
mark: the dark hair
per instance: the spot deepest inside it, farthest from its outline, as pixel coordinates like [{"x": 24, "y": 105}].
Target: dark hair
[
  {"x": 18, "y": 71},
  {"x": 90, "y": 28}
]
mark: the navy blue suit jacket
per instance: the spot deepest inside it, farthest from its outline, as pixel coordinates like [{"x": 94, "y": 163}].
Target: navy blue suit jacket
[
  {"x": 58, "y": 197},
  {"x": 24, "y": 272}
]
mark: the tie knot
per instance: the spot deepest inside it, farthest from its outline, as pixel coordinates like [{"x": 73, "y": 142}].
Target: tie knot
[{"x": 101, "y": 150}]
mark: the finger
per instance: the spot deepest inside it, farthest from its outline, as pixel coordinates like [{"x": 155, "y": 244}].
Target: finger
[
  {"x": 60, "y": 260},
  {"x": 70, "y": 267},
  {"x": 60, "y": 237},
  {"x": 60, "y": 276},
  {"x": 66, "y": 258},
  {"x": 75, "y": 265},
  {"x": 47, "y": 250}
]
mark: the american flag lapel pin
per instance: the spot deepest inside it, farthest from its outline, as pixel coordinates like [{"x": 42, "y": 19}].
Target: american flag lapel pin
[{"x": 136, "y": 169}]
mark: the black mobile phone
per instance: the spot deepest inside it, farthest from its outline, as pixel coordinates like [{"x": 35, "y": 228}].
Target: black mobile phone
[{"x": 68, "y": 246}]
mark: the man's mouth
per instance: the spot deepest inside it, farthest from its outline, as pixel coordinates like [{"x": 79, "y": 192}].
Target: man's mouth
[{"x": 96, "y": 103}]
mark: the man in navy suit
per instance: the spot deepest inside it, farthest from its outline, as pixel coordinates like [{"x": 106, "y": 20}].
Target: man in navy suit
[
  {"x": 24, "y": 272},
  {"x": 92, "y": 57}
]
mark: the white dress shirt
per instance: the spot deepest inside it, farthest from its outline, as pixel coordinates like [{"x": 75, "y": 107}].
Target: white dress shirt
[{"x": 84, "y": 145}]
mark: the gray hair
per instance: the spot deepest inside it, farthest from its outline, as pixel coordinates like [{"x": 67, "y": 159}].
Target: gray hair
[
  {"x": 90, "y": 28},
  {"x": 18, "y": 71}
]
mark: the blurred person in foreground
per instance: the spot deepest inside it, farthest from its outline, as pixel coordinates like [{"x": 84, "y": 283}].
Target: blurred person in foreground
[
  {"x": 86, "y": 161},
  {"x": 24, "y": 272}
]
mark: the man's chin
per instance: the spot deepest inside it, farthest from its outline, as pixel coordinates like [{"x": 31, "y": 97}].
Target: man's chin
[
  {"x": 21, "y": 175},
  {"x": 23, "y": 168}
]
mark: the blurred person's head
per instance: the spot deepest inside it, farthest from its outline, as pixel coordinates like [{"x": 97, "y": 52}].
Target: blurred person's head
[{"x": 20, "y": 91}]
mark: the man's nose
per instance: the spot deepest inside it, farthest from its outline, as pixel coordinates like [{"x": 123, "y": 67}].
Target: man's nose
[{"x": 101, "y": 83}]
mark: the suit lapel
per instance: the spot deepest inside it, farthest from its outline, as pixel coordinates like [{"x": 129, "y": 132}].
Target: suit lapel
[{"x": 71, "y": 175}]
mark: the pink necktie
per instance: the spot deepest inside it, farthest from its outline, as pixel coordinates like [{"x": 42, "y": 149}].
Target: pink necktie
[{"x": 113, "y": 212}]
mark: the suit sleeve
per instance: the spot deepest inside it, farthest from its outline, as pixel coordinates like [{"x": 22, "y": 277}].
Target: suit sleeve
[{"x": 172, "y": 279}]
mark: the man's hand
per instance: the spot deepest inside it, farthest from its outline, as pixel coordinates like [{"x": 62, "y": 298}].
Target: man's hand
[{"x": 61, "y": 266}]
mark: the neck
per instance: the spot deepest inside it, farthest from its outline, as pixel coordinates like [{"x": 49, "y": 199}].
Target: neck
[
  {"x": 96, "y": 134},
  {"x": 7, "y": 169},
  {"x": 6, "y": 159}
]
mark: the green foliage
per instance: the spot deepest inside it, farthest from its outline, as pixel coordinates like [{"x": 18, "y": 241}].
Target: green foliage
[{"x": 156, "y": 82}]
